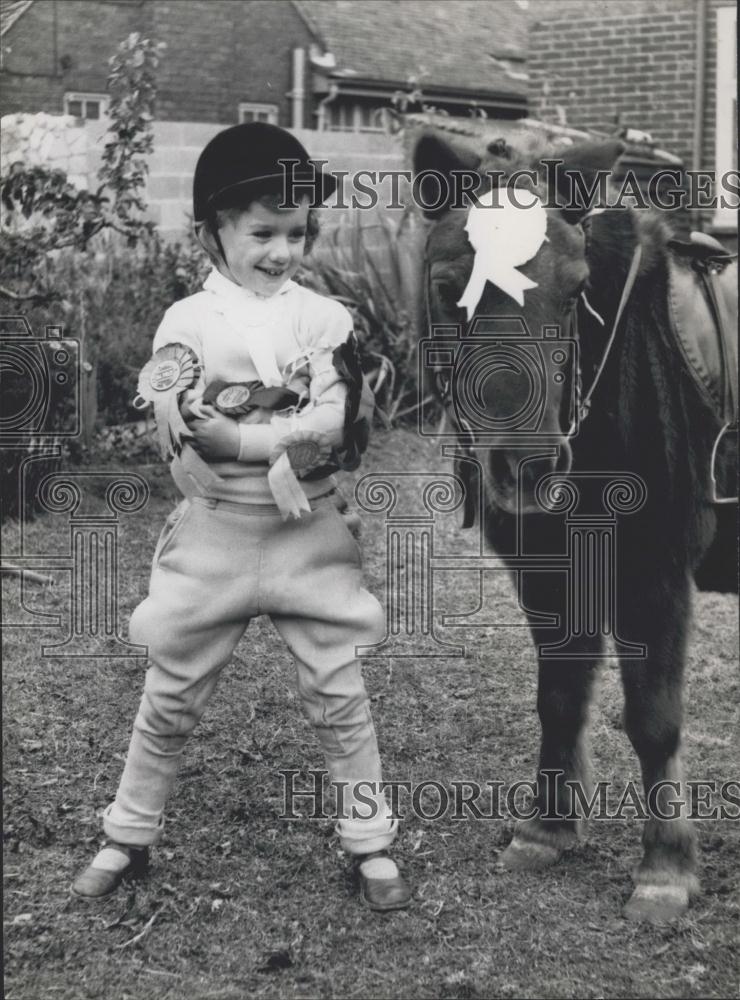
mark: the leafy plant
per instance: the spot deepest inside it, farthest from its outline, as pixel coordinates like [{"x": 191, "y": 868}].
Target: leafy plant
[
  {"x": 114, "y": 299},
  {"x": 372, "y": 270},
  {"x": 132, "y": 84},
  {"x": 90, "y": 256},
  {"x": 42, "y": 212}
]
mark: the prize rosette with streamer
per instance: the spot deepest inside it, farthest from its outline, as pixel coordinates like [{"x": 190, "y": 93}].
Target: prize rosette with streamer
[
  {"x": 294, "y": 457},
  {"x": 172, "y": 370},
  {"x": 237, "y": 398},
  {"x": 231, "y": 398}
]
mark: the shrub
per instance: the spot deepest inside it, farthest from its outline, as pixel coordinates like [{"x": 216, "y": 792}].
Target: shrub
[
  {"x": 52, "y": 248},
  {"x": 116, "y": 296},
  {"x": 371, "y": 269}
]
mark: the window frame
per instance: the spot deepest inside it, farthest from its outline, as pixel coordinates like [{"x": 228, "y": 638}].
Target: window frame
[
  {"x": 102, "y": 99},
  {"x": 349, "y": 117},
  {"x": 256, "y": 108},
  {"x": 725, "y": 84}
]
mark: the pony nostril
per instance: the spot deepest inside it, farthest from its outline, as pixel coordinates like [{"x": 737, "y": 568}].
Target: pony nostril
[{"x": 500, "y": 465}]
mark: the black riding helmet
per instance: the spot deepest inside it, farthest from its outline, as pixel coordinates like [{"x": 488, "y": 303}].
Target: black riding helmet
[{"x": 247, "y": 157}]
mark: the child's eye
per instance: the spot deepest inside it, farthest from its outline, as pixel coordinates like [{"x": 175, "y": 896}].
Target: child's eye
[
  {"x": 262, "y": 234},
  {"x": 298, "y": 235}
]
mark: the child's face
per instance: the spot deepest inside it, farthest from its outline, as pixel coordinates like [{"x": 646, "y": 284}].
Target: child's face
[{"x": 264, "y": 247}]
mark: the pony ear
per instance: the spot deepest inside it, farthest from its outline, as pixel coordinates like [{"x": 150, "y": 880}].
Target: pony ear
[
  {"x": 435, "y": 156},
  {"x": 581, "y": 174}
]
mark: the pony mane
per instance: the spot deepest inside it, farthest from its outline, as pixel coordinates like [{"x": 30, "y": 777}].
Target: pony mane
[{"x": 664, "y": 427}]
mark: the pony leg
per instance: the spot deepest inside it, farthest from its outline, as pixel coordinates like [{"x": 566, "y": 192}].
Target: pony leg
[
  {"x": 657, "y": 615},
  {"x": 563, "y": 697}
]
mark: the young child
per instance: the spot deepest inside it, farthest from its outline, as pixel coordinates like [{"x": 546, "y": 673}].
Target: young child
[{"x": 249, "y": 538}]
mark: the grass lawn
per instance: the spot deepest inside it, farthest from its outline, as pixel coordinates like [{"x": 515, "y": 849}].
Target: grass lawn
[{"x": 240, "y": 903}]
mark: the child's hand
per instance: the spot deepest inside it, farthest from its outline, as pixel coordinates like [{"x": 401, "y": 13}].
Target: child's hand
[
  {"x": 185, "y": 411},
  {"x": 190, "y": 404},
  {"x": 215, "y": 436}
]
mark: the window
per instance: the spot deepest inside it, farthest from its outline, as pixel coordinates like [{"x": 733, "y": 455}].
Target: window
[
  {"x": 251, "y": 112},
  {"x": 725, "y": 156},
  {"x": 348, "y": 113},
  {"x": 353, "y": 116},
  {"x": 88, "y": 106}
]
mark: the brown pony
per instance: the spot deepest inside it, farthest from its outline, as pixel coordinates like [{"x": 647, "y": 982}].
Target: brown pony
[{"x": 646, "y": 423}]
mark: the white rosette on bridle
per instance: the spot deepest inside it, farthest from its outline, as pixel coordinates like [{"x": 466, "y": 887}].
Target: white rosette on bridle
[
  {"x": 295, "y": 456},
  {"x": 506, "y": 230}
]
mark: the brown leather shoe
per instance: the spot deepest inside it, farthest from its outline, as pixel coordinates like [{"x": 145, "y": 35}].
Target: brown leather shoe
[
  {"x": 103, "y": 876},
  {"x": 381, "y": 893}
]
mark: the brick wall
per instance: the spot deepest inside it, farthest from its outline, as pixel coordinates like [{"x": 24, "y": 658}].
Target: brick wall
[
  {"x": 63, "y": 46},
  {"x": 219, "y": 53},
  {"x": 593, "y": 63},
  {"x": 634, "y": 59},
  {"x": 177, "y": 145},
  {"x": 176, "y": 149}
]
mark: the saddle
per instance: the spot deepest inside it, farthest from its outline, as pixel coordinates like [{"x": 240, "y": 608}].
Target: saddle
[{"x": 702, "y": 308}]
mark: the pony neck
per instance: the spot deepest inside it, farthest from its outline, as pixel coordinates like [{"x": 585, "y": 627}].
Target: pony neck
[{"x": 614, "y": 236}]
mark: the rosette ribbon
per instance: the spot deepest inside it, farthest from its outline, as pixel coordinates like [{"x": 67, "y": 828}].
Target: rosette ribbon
[
  {"x": 505, "y": 233},
  {"x": 293, "y": 457},
  {"x": 238, "y": 398},
  {"x": 173, "y": 369}
]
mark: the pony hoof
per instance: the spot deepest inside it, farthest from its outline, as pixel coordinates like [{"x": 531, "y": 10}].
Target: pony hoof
[
  {"x": 657, "y": 904},
  {"x": 528, "y": 855}
]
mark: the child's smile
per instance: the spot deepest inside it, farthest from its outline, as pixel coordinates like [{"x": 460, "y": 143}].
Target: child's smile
[{"x": 264, "y": 248}]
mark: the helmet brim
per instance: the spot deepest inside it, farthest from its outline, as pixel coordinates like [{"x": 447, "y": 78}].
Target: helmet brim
[{"x": 319, "y": 186}]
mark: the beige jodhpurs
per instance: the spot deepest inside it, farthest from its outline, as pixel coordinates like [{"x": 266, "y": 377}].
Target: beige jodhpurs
[{"x": 216, "y": 566}]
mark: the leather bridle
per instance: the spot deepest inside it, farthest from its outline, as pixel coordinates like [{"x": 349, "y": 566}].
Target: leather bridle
[{"x": 569, "y": 325}]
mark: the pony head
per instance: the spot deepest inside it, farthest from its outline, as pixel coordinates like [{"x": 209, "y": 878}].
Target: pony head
[{"x": 507, "y": 271}]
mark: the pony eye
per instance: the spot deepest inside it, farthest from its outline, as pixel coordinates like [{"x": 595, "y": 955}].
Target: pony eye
[{"x": 446, "y": 293}]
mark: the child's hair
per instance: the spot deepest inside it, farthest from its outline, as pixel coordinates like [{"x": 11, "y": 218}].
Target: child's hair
[{"x": 231, "y": 204}]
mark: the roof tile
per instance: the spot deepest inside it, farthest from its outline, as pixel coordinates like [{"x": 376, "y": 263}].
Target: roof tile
[{"x": 459, "y": 44}]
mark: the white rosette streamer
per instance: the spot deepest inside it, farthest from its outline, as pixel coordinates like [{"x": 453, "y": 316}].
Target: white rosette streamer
[
  {"x": 172, "y": 370},
  {"x": 506, "y": 230},
  {"x": 294, "y": 456}
]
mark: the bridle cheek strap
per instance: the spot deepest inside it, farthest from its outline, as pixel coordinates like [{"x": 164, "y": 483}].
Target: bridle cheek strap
[{"x": 629, "y": 284}]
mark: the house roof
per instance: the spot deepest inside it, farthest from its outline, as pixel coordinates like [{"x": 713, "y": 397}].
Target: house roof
[
  {"x": 469, "y": 45},
  {"x": 10, "y": 11}
]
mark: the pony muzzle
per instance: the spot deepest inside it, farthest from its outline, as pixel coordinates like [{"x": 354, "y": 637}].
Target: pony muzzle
[{"x": 512, "y": 477}]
